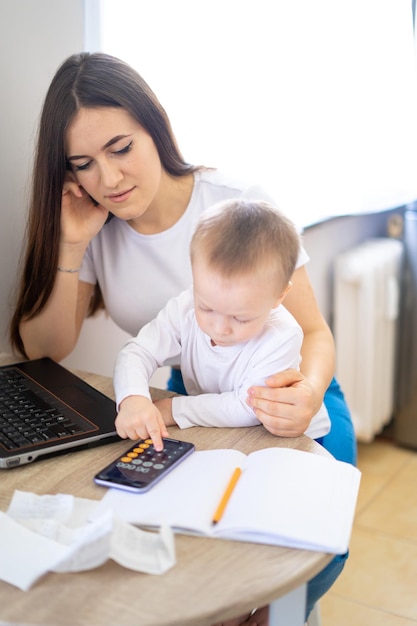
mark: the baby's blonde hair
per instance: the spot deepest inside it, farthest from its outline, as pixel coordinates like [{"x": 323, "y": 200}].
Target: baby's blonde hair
[{"x": 242, "y": 236}]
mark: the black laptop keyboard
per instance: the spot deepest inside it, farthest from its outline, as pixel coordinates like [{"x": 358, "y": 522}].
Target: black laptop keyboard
[{"x": 29, "y": 415}]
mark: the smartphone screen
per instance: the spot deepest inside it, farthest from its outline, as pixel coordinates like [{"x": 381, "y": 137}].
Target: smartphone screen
[{"x": 141, "y": 466}]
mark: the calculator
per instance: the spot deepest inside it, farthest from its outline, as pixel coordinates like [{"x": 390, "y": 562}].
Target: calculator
[{"x": 141, "y": 466}]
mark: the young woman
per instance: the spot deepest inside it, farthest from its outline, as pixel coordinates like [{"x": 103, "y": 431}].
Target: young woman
[{"x": 113, "y": 209}]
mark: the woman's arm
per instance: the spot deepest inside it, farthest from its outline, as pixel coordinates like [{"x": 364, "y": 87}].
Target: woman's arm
[
  {"x": 291, "y": 398},
  {"x": 318, "y": 350},
  {"x": 54, "y": 330}
]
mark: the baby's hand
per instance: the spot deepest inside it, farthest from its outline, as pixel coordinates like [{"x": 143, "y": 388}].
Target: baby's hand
[{"x": 138, "y": 418}]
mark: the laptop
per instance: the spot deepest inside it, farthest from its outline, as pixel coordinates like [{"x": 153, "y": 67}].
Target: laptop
[{"x": 46, "y": 410}]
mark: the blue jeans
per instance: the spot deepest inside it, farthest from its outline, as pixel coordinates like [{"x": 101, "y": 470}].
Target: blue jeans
[{"x": 341, "y": 443}]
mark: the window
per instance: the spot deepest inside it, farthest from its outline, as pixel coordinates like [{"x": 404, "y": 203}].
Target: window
[{"x": 316, "y": 101}]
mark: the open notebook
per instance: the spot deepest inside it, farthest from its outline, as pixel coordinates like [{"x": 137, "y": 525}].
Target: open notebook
[
  {"x": 45, "y": 409},
  {"x": 283, "y": 497}
]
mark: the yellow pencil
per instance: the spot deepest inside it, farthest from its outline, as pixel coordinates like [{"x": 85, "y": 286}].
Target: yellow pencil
[{"x": 226, "y": 496}]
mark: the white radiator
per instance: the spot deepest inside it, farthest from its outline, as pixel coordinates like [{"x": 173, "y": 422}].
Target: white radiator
[{"x": 366, "y": 299}]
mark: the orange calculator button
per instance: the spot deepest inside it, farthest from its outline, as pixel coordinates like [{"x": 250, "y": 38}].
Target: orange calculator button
[{"x": 125, "y": 459}]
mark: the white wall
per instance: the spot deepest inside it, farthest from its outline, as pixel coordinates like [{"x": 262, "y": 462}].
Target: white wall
[{"x": 35, "y": 37}]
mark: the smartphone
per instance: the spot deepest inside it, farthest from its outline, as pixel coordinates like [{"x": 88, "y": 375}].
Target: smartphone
[{"x": 141, "y": 466}]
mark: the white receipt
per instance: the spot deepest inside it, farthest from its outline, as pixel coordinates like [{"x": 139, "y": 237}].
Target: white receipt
[{"x": 53, "y": 533}]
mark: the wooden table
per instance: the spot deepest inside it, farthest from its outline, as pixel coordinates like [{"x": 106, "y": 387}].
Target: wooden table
[{"x": 212, "y": 579}]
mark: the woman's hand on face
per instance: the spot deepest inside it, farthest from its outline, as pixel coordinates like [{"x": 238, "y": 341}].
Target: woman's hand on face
[
  {"x": 286, "y": 405},
  {"x": 81, "y": 218}
]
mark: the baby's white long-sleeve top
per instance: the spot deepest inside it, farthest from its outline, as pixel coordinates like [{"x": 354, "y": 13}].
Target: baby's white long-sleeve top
[{"x": 216, "y": 378}]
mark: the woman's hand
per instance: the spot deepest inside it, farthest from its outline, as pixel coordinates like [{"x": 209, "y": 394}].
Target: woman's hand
[
  {"x": 81, "y": 218},
  {"x": 286, "y": 405}
]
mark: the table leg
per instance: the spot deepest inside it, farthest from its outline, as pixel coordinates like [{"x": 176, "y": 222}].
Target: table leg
[{"x": 290, "y": 609}]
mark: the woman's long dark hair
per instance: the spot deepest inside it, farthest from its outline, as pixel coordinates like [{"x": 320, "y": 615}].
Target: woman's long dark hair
[{"x": 89, "y": 81}]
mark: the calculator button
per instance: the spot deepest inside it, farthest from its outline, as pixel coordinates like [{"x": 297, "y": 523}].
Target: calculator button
[
  {"x": 138, "y": 450},
  {"x": 147, "y": 464},
  {"x": 132, "y": 455},
  {"x": 126, "y": 459},
  {"x": 144, "y": 445},
  {"x": 158, "y": 466}
]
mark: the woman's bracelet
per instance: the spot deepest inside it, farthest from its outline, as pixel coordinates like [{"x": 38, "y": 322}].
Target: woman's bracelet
[{"x": 68, "y": 270}]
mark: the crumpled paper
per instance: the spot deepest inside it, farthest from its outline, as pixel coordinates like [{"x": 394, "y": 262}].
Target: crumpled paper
[{"x": 55, "y": 533}]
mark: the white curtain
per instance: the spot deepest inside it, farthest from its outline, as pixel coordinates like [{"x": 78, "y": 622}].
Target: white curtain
[{"x": 314, "y": 99}]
